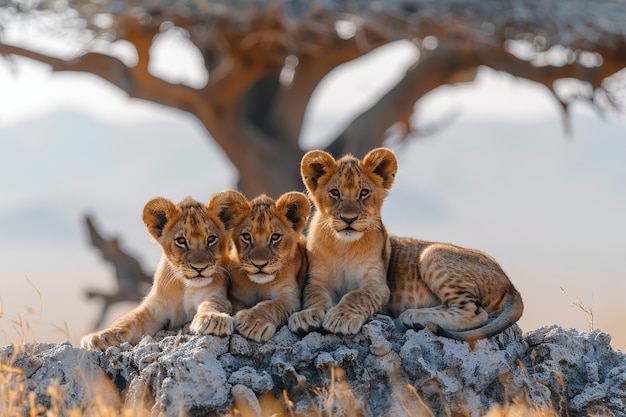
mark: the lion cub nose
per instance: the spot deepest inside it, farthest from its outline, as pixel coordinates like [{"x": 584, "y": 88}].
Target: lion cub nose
[
  {"x": 199, "y": 267},
  {"x": 348, "y": 220},
  {"x": 259, "y": 264}
]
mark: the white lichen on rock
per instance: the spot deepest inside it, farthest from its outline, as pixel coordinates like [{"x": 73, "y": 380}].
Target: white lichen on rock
[{"x": 384, "y": 370}]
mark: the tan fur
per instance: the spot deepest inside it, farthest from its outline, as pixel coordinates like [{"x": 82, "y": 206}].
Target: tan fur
[
  {"x": 190, "y": 281},
  {"x": 270, "y": 262},
  {"x": 456, "y": 292},
  {"x": 347, "y": 243}
]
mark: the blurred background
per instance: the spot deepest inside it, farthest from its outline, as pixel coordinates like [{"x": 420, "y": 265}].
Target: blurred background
[{"x": 487, "y": 160}]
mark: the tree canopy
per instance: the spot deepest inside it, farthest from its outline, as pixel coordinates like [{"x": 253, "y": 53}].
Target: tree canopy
[{"x": 264, "y": 59}]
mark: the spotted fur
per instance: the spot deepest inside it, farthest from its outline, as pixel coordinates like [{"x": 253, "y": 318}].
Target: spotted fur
[
  {"x": 270, "y": 261},
  {"x": 456, "y": 292},
  {"x": 356, "y": 269},
  {"x": 190, "y": 281}
]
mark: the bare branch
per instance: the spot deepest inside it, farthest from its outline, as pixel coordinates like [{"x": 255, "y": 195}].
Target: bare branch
[
  {"x": 130, "y": 279},
  {"x": 135, "y": 83},
  {"x": 442, "y": 66}
]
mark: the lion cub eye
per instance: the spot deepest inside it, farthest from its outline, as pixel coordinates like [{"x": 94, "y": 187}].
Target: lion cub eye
[
  {"x": 275, "y": 238},
  {"x": 364, "y": 193},
  {"x": 181, "y": 242},
  {"x": 334, "y": 194},
  {"x": 211, "y": 240},
  {"x": 246, "y": 237}
]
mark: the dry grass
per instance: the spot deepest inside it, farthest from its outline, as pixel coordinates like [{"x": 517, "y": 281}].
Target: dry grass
[
  {"x": 17, "y": 401},
  {"x": 26, "y": 325},
  {"x": 520, "y": 410},
  {"x": 339, "y": 399},
  {"x": 588, "y": 310}
]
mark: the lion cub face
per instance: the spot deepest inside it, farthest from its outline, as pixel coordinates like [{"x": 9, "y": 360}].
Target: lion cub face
[
  {"x": 266, "y": 233},
  {"x": 348, "y": 192},
  {"x": 192, "y": 236}
]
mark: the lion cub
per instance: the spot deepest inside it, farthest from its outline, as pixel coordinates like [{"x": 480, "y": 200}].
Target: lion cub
[
  {"x": 190, "y": 281},
  {"x": 356, "y": 269},
  {"x": 270, "y": 261}
]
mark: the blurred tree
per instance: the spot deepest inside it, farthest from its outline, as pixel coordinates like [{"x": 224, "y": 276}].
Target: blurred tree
[
  {"x": 131, "y": 281},
  {"x": 263, "y": 59}
]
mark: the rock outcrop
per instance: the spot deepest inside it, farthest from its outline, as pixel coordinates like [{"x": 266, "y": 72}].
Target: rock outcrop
[{"x": 384, "y": 370}]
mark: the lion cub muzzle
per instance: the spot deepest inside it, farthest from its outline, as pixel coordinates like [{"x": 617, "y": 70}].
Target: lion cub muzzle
[{"x": 261, "y": 275}]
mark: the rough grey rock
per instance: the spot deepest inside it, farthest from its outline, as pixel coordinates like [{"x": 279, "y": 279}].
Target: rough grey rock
[{"x": 384, "y": 370}]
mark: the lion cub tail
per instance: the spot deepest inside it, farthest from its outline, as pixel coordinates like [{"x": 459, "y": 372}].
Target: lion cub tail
[{"x": 509, "y": 314}]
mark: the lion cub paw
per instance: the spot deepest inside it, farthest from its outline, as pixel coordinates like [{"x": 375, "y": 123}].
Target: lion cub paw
[
  {"x": 307, "y": 320},
  {"x": 104, "y": 339},
  {"x": 253, "y": 327},
  {"x": 412, "y": 319},
  {"x": 341, "y": 322},
  {"x": 211, "y": 322}
]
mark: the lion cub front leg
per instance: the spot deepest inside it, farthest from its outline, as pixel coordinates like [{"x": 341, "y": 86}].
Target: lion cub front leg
[
  {"x": 261, "y": 321},
  {"x": 252, "y": 324},
  {"x": 355, "y": 307},
  {"x": 317, "y": 300},
  {"x": 147, "y": 318},
  {"x": 212, "y": 313}
]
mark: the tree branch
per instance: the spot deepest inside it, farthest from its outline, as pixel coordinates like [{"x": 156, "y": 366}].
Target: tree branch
[
  {"x": 111, "y": 69},
  {"x": 496, "y": 57},
  {"x": 367, "y": 131},
  {"x": 130, "y": 279},
  {"x": 314, "y": 64},
  {"x": 455, "y": 62}
]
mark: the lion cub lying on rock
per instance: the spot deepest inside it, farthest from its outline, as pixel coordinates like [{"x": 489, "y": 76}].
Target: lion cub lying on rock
[{"x": 356, "y": 269}]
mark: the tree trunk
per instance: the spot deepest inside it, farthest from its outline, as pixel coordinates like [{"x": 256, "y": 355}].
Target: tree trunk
[{"x": 267, "y": 157}]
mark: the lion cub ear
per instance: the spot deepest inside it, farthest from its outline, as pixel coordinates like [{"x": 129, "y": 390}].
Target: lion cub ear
[
  {"x": 156, "y": 214},
  {"x": 296, "y": 208},
  {"x": 228, "y": 205},
  {"x": 316, "y": 167},
  {"x": 381, "y": 166}
]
